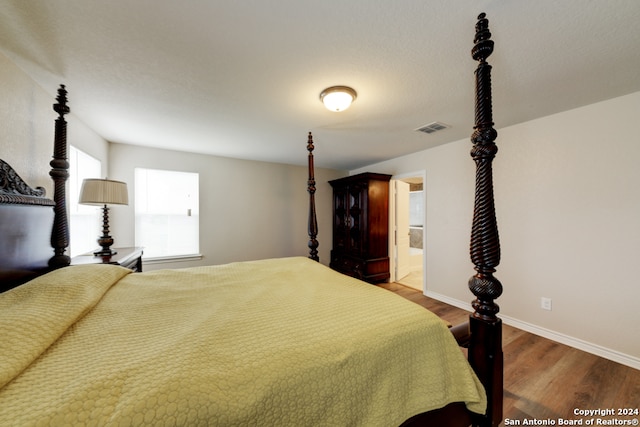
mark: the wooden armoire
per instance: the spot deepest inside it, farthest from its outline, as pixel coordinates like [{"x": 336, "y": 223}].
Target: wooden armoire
[{"x": 361, "y": 226}]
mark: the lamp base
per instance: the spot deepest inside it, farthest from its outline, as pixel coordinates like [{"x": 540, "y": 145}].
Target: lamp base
[
  {"x": 105, "y": 241},
  {"x": 104, "y": 252}
]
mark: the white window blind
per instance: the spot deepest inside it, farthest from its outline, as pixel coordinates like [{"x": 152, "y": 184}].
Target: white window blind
[
  {"x": 85, "y": 225},
  {"x": 167, "y": 213}
]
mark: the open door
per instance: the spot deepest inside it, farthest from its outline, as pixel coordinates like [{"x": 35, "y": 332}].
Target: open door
[{"x": 401, "y": 235}]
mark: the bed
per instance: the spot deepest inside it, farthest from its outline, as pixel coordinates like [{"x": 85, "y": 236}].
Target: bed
[{"x": 263, "y": 342}]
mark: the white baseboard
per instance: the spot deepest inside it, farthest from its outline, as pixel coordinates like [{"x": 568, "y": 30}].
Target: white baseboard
[{"x": 616, "y": 356}]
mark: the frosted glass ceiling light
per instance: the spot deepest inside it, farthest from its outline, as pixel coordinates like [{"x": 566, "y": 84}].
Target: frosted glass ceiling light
[{"x": 338, "y": 98}]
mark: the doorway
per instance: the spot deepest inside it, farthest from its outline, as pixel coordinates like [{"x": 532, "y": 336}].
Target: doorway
[{"x": 407, "y": 226}]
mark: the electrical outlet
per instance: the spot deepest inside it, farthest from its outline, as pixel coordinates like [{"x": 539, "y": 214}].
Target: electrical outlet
[{"x": 545, "y": 303}]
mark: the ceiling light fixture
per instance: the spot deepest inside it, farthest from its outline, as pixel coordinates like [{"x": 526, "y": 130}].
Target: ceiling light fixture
[{"x": 338, "y": 98}]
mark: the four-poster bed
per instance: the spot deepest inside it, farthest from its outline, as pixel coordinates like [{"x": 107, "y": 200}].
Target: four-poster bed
[{"x": 100, "y": 344}]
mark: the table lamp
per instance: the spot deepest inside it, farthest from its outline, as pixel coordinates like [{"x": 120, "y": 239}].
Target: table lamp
[{"x": 103, "y": 192}]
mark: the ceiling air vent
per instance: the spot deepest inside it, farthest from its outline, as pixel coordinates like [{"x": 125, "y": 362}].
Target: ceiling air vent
[{"x": 432, "y": 127}]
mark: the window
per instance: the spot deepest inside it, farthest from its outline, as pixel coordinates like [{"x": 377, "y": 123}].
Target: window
[
  {"x": 167, "y": 213},
  {"x": 416, "y": 219},
  {"x": 416, "y": 211},
  {"x": 84, "y": 221}
]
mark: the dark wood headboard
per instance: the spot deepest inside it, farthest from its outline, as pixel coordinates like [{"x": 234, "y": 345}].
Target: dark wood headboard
[{"x": 26, "y": 220}]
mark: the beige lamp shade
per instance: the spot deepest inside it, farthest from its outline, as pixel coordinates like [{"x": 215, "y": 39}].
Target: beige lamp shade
[{"x": 103, "y": 192}]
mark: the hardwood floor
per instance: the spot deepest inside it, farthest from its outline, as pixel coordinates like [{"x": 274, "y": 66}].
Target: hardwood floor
[{"x": 545, "y": 380}]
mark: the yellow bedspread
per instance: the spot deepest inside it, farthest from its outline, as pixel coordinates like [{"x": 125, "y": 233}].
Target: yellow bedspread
[{"x": 282, "y": 342}]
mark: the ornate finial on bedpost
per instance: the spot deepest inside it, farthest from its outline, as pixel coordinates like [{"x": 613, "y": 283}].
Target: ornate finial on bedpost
[
  {"x": 311, "y": 188},
  {"x": 483, "y": 47},
  {"x": 485, "y": 346},
  {"x": 59, "y": 173}
]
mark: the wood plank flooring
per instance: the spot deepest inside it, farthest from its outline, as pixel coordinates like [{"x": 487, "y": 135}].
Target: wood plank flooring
[{"x": 546, "y": 381}]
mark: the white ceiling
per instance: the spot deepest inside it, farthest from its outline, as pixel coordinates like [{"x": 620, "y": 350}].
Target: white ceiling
[{"x": 242, "y": 78}]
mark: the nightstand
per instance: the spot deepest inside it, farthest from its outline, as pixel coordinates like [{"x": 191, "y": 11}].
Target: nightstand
[{"x": 126, "y": 257}]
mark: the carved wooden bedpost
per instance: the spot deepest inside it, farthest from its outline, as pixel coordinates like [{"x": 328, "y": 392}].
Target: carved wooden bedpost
[
  {"x": 485, "y": 347},
  {"x": 59, "y": 173},
  {"x": 311, "y": 188}
]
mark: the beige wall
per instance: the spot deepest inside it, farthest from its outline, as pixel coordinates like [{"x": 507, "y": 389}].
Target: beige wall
[
  {"x": 248, "y": 209},
  {"x": 27, "y": 131},
  {"x": 568, "y": 202}
]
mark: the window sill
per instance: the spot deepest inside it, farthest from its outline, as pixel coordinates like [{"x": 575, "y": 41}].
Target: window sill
[{"x": 172, "y": 258}]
